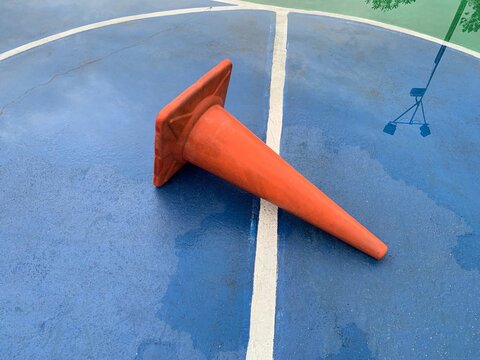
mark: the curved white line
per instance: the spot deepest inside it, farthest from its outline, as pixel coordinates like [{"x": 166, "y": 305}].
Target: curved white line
[
  {"x": 375, "y": 23},
  {"x": 120, "y": 20},
  {"x": 240, "y": 5}
]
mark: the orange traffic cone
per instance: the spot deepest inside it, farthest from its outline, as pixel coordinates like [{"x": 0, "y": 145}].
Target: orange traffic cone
[{"x": 196, "y": 128}]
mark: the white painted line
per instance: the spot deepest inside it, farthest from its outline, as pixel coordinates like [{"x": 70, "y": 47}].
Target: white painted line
[
  {"x": 358, "y": 20},
  {"x": 115, "y": 21},
  {"x": 275, "y": 117},
  {"x": 240, "y": 5},
  {"x": 256, "y": 5},
  {"x": 262, "y": 311},
  {"x": 262, "y": 318},
  {"x": 392, "y": 28}
]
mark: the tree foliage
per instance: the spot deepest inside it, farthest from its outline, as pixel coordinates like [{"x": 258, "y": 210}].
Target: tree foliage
[
  {"x": 470, "y": 20},
  {"x": 386, "y": 5}
]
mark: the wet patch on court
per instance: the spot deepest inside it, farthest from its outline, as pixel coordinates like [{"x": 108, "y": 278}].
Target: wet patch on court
[
  {"x": 93, "y": 252},
  {"x": 410, "y": 190}
]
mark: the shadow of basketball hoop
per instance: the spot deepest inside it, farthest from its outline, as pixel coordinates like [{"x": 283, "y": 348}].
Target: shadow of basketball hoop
[{"x": 419, "y": 93}]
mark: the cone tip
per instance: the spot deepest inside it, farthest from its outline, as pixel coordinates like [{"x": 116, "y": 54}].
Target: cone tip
[
  {"x": 381, "y": 251},
  {"x": 226, "y": 63}
]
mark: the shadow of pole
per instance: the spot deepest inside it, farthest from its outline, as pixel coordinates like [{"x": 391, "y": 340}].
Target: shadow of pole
[{"x": 419, "y": 93}]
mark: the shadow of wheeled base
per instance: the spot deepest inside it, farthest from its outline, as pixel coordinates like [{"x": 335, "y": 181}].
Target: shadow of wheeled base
[{"x": 418, "y": 94}]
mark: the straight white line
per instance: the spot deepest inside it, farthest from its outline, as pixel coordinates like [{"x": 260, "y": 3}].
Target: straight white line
[
  {"x": 115, "y": 21},
  {"x": 275, "y": 118},
  {"x": 262, "y": 311}
]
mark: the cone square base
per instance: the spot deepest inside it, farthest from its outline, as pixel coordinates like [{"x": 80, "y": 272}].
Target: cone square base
[{"x": 175, "y": 121}]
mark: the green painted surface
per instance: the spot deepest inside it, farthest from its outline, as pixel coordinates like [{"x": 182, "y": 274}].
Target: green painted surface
[{"x": 431, "y": 17}]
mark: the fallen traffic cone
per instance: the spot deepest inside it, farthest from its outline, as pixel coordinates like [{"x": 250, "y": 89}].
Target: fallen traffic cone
[{"x": 196, "y": 128}]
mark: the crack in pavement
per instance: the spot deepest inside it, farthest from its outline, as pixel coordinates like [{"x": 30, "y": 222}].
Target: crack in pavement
[{"x": 79, "y": 67}]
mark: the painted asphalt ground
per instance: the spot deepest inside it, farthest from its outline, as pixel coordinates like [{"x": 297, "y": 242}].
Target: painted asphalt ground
[
  {"x": 432, "y": 17},
  {"x": 345, "y": 81},
  {"x": 22, "y": 21},
  {"x": 101, "y": 265}
]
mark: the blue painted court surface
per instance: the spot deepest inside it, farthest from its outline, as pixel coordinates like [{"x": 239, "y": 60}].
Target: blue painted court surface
[
  {"x": 99, "y": 264},
  {"x": 419, "y": 194}
]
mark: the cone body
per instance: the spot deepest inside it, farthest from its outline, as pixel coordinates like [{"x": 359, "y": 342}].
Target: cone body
[{"x": 220, "y": 144}]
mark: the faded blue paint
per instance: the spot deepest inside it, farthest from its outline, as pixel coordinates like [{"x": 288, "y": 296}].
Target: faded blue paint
[
  {"x": 345, "y": 81},
  {"x": 96, "y": 262},
  {"x": 23, "y": 21}
]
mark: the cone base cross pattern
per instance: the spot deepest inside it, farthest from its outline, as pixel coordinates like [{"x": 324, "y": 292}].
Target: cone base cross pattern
[{"x": 196, "y": 128}]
